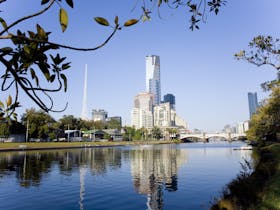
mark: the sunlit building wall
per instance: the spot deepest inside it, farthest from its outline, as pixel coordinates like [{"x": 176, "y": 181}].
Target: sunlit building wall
[
  {"x": 142, "y": 113},
  {"x": 162, "y": 115}
]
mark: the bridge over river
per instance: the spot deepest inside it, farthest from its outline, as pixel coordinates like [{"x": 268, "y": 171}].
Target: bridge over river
[{"x": 206, "y": 136}]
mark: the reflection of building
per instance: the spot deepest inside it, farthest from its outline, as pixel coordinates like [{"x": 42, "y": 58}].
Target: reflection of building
[
  {"x": 154, "y": 170},
  {"x": 153, "y": 77},
  {"x": 99, "y": 115},
  {"x": 253, "y": 103}
]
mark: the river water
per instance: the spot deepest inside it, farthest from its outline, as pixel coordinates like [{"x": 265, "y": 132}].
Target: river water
[{"x": 152, "y": 177}]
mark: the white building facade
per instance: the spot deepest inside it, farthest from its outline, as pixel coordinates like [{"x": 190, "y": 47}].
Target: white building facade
[
  {"x": 242, "y": 127},
  {"x": 142, "y": 113}
]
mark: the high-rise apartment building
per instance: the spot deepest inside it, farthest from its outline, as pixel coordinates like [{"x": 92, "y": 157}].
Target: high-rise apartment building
[
  {"x": 153, "y": 77},
  {"x": 253, "y": 103},
  {"x": 171, "y": 99},
  {"x": 142, "y": 113}
]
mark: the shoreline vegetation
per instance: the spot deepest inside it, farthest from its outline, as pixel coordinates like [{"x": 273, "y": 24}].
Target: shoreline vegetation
[
  {"x": 257, "y": 190},
  {"x": 24, "y": 146}
]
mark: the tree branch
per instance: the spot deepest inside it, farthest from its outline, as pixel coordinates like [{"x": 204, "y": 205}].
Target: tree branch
[
  {"x": 67, "y": 46},
  {"x": 26, "y": 17}
]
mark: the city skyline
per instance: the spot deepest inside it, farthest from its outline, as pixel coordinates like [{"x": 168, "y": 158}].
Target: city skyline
[{"x": 198, "y": 67}]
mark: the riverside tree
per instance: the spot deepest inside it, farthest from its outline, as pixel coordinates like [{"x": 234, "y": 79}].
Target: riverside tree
[
  {"x": 38, "y": 123},
  {"x": 265, "y": 124},
  {"x": 31, "y": 63}
]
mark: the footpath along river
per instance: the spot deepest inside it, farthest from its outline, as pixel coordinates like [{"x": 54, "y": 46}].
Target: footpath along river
[{"x": 152, "y": 177}]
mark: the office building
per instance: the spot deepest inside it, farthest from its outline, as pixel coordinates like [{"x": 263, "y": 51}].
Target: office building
[
  {"x": 162, "y": 115},
  {"x": 99, "y": 115},
  {"x": 171, "y": 99},
  {"x": 153, "y": 78},
  {"x": 242, "y": 127},
  {"x": 253, "y": 103},
  {"x": 142, "y": 113},
  {"x": 180, "y": 122},
  {"x": 115, "y": 118}
]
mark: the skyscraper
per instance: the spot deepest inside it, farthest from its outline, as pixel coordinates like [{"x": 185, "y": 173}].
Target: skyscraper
[
  {"x": 253, "y": 103},
  {"x": 153, "y": 77},
  {"x": 171, "y": 99}
]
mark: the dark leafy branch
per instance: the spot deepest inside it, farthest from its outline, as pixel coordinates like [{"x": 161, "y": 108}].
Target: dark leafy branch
[
  {"x": 31, "y": 64},
  {"x": 264, "y": 50}
]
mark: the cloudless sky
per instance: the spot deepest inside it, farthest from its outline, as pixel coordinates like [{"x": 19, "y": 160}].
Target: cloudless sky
[{"x": 198, "y": 67}]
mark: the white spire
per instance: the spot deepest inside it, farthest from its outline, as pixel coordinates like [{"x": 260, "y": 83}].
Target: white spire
[{"x": 84, "y": 110}]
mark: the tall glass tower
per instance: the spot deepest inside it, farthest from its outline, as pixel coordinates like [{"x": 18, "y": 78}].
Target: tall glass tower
[
  {"x": 153, "y": 77},
  {"x": 171, "y": 99},
  {"x": 253, "y": 103}
]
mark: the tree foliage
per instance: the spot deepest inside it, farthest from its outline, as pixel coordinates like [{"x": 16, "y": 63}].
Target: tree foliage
[
  {"x": 264, "y": 50},
  {"x": 38, "y": 123},
  {"x": 156, "y": 133},
  {"x": 265, "y": 124},
  {"x": 32, "y": 63}
]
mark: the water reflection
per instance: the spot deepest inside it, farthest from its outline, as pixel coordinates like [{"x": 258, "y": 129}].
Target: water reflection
[
  {"x": 152, "y": 177},
  {"x": 154, "y": 170},
  {"x": 30, "y": 167}
]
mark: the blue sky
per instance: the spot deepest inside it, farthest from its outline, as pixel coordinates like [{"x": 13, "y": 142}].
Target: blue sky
[{"x": 198, "y": 67}]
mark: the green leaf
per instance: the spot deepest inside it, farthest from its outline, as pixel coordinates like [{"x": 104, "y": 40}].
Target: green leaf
[
  {"x": 65, "y": 66},
  {"x": 41, "y": 32},
  {"x": 6, "y": 49},
  {"x": 1, "y": 105},
  {"x": 26, "y": 49},
  {"x": 117, "y": 20},
  {"x": 52, "y": 78},
  {"x": 3, "y": 22},
  {"x": 102, "y": 21},
  {"x": 65, "y": 81},
  {"x": 63, "y": 19},
  {"x": 33, "y": 74},
  {"x": 130, "y": 22},
  {"x": 15, "y": 116},
  {"x": 70, "y": 3},
  {"x": 9, "y": 101},
  {"x": 44, "y": 2}
]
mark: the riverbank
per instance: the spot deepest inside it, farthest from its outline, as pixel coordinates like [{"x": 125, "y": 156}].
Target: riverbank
[
  {"x": 257, "y": 190},
  {"x": 67, "y": 145}
]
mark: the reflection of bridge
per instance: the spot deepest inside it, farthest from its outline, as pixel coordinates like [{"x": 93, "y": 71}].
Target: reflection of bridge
[{"x": 207, "y": 136}]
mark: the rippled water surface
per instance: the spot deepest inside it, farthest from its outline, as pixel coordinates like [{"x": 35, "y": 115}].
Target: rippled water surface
[{"x": 153, "y": 177}]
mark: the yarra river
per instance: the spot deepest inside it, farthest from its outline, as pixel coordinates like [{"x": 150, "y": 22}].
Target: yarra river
[{"x": 147, "y": 177}]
